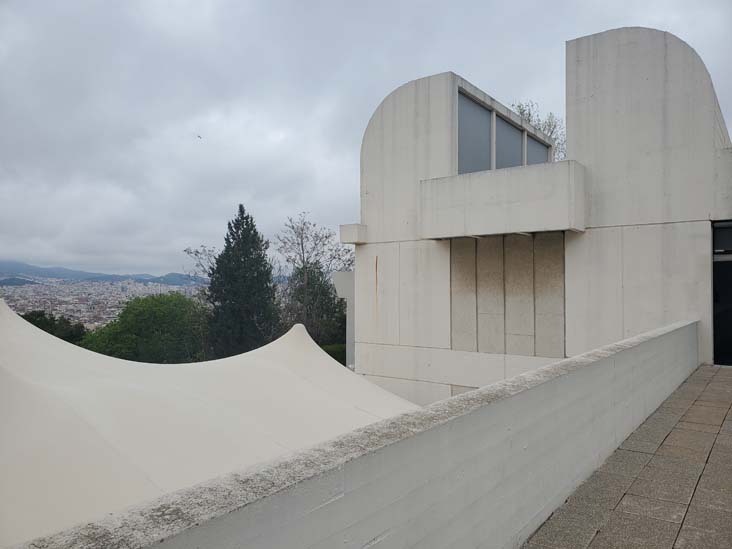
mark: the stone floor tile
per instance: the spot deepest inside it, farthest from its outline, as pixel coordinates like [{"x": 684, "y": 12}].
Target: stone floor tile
[
  {"x": 704, "y": 414},
  {"x": 626, "y": 531},
  {"x": 653, "y": 508},
  {"x": 625, "y": 462},
  {"x": 702, "y": 427},
  {"x": 694, "y": 538},
  {"x": 716, "y": 477},
  {"x": 565, "y": 531},
  {"x": 712, "y": 402},
  {"x": 604, "y": 489},
  {"x": 678, "y": 401},
  {"x": 669, "y": 415},
  {"x": 652, "y": 433},
  {"x": 635, "y": 444},
  {"x": 694, "y": 440},
  {"x": 684, "y": 453},
  {"x": 679, "y": 465},
  {"x": 678, "y": 491},
  {"x": 705, "y": 518},
  {"x": 707, "y": 495},
  {"x": 690, "y": 473},
  {"x": 720, "y": 456},
  {"x": 676, "y": 405},
  {"x": 592, "y": 512},
  {"x": 724, "y": 442},
  {"x": 726, "y": 426},
  {"x": 663, "y": 418}
]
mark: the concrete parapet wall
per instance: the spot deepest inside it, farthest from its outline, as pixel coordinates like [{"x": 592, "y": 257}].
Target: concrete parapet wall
[
  {"x": 542, "y": 197},
  {"x": 482, "y": 469}
]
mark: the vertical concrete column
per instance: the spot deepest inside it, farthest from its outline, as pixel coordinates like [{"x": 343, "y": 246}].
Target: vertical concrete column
[
  {"x": 463, "y": 312},
  {"x": 524, "y": 148},
  {"x": 519, "y": 273},
  {"x": 491, "y": 302},
  {"x": 549, "y": 294},
  {"x": 493, "y": 140}
]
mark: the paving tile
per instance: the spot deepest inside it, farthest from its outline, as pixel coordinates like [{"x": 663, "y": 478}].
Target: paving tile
[
  {"x": 653, "y": 508},
  {"x": 626, "y": 531},
  {"x": 677, "y": 464},
  {"x": 678, "y": 491},
  {"x": 694, "y": 440},
  {"x": 708, "y": 495},
  {"x": 704, "y": 414},
  {"x": 694, "y": 538},
  {"x": 680, "y": 452},
  {"x": 675, "y": 401},
  {"x": 712, "y": 402},
  {"x": 677, "y": 404},
  {"x": 690, "y": 473},
  {"x": 702, "y": 427},
  {"x": 716, "y": 477},
  {"x": 714, "y": 520},
  {"x": 670, "y": 415},
  {"x": 726, "y": 426},
  {"x": 719, "y": 456},
  {"x": 724, "y": 442},
  {"x": 635, "y": 444},
  {"x": 652, "y": 433},
  {"x": 593, "y": 512},
  {"x": 625, "y": 462},
  {"x": 565, "y": 531},
  {"x": 603, "y": 489}
]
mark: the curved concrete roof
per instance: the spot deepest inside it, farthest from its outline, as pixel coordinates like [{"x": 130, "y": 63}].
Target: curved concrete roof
[{"x": 83, "y": 435}]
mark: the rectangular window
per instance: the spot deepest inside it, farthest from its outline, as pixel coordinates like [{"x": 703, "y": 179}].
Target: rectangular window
[
  {"x": 509, "y": 144},
  {"x": 474, "y": 136},
  {"x": 536, "y": 152}
]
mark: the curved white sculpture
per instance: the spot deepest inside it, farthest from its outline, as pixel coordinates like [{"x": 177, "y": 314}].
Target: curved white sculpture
[{"x": 83, "y": 435}]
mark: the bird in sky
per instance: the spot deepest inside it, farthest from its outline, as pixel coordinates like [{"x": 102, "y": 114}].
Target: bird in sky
[{"x": 199, "y": 137}]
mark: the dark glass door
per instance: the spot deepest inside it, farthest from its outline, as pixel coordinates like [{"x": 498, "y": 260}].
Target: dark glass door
[{"x": 722, "y": 285}]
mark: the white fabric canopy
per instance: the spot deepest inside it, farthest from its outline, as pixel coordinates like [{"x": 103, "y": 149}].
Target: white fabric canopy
[{"x": 82, "y": 434}]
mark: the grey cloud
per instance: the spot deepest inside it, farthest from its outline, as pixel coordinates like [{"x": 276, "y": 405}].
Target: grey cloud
[{"x": 101, "y": 103}]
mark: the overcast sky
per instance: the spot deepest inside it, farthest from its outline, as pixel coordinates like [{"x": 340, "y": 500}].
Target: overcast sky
[{"x": 101, "y": 104}]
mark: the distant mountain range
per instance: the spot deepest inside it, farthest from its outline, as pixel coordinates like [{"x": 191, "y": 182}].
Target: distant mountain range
[
  {"x": 15, "y": 281},
  {"x": 17, "y": 271}
]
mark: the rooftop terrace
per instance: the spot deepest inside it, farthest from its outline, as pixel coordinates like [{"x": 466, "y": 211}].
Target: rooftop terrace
[{"x": 669, "y": 485}]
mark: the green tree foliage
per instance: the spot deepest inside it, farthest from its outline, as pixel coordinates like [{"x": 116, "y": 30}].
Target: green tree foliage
[
  {"x": 314, "y": 254},
  {"x": 310, "y": 298},
  {"x": 61, "y": 327},
  {"x": 167, "y": 329},
  {"x": 241, "y": 291}
]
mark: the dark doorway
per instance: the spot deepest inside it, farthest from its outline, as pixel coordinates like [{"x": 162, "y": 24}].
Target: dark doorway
[{"x": 722, "y": 284}]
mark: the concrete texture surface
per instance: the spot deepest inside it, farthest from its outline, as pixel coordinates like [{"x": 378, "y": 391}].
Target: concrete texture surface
[
  {"x": 491, "y": 295},
  {"x": 438, "y": 366},
  {"x": 478, "y": 469},
  {"x": 83, "y": 435},
  {"x": 655, "y": 175},
  {"x": 539, "y": 198},
  {"x": 669, "y": 494},
  {"x": 463, "y": 294},
  {"x": 648, "y": 169}
]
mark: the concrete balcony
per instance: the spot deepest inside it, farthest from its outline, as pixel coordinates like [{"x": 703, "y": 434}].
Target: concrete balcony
[{"x": 526, "y": 199}]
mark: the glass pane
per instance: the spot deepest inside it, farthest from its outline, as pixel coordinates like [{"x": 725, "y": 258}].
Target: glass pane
[
  {"x": 509, "y": 145},
  {"x": 536, "y": 152},
  {"x": 722, "y": 238},
  {"x": 474, "y": 136}
]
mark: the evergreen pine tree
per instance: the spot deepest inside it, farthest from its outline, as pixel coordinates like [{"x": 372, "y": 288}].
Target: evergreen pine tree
[{"x": 241, "y": 291}]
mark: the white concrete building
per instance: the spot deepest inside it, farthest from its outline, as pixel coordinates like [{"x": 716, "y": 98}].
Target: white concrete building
[{"x": 478, "y": 257}]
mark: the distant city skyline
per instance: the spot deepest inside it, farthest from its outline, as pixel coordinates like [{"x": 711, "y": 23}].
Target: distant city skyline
[{"x": 132, "y": 131}]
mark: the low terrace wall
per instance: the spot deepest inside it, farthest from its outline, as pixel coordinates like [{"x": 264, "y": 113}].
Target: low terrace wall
[{"x": 482, "y": 469}]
